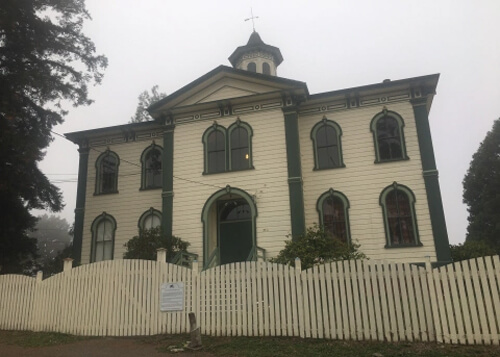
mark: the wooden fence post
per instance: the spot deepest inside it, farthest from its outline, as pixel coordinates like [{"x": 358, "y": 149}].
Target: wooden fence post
[
  {"x": 161, "y": 255},
  {"x": 300, "y": 301},
  {"x": 68, "y": 265},
  {"x": 431, "y": 283}
]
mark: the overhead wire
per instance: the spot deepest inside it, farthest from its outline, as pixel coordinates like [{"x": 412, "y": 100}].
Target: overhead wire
[{"x": 130, "y": 163}]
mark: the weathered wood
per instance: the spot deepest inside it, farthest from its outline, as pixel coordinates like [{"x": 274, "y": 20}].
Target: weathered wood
[{"x": 195, "y": 333}]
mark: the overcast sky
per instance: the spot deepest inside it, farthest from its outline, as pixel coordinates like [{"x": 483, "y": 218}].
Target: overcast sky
[{"x": 329, "y": 45}]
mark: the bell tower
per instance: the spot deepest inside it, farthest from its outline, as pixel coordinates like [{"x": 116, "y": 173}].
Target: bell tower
[{"x": 256, "y": 56}]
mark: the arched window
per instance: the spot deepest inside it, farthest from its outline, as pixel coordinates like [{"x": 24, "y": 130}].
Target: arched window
[
  {"x": 103, "y": 238},
  {"x": 151, "y": 167},
  {"x": 266, "y": 69},
  {"x": 387, "y": 129},
  {"x": 240, "y": 146},
  {"x": 107, "y": 173},
  {"x": 333, "y": 212},
  {"x": 252, "y": 67},
  {"x": 398, "y": 206},
  {"x": 150, "y": 219},
  {"x": 327, "y": 145},
  {"x": 214, "y": 140}
]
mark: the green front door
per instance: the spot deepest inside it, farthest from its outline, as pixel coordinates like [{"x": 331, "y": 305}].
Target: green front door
[{"x": 235, "y": 230}]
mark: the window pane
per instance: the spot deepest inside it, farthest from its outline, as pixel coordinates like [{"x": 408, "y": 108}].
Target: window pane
[
  {"x": 266, "y": 69},
  {"x": 389, "y": 141},
  {"x": 327, "y": 147},
  {"x": 108, "y": 174},
  {"x": 151, "y": 221},
  {"x": 334, "y": 219},
  {"x": 235, "y": 210},
  {"x": 252, "y": 67},
  {"x": 99, "y": 251},
  {"x": 108, "y": 250},
  {"x": 216, "y": 151},
  {"x": 399, "y": 218},
  {"x": 240, "y": 156},
  {"x": 153, "y": 168}
]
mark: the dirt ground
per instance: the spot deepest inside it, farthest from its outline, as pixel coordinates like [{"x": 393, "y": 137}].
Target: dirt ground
[{"x": 98, "y": 347}]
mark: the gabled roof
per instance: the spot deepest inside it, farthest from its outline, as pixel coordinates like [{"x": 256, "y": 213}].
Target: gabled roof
[{"x": 225, "y": 83}]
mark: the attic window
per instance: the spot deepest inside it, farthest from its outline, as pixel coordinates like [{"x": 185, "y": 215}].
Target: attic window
[
  {"x": 252, "y": 67},
  {"x": 266, "y": 69}
]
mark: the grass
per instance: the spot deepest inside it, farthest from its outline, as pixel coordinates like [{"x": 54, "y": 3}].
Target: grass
[
  {"x": 289, "y": 347},
  {"x": 268, "y": 346},
  {"x": 37, "y": 339}
]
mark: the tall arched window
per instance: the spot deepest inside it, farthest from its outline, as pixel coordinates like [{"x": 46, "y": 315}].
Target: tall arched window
[
  {"x": 103, "y": 238},
  {"x": 150, "y": 219},
  {"x": 214, "y": 140},
  {"x": 266, "y": 69},
  {"x": 398, "y": 206},
  {"x": 252, "y": 67},
  {"x": 327, "y": 145},
  {"x": 240, "y": 146},
  {"x": 333, "y": 212},
  {"x": 152, "y": 167},
  {"x": 387, "y": 129},
  {"x": 107, "y": 173}
]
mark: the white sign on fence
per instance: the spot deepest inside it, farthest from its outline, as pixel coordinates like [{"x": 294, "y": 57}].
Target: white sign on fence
[{"x": 172, "y": 297}]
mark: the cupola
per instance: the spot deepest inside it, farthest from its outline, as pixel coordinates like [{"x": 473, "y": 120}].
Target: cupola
[{"x": 256, "y": 56}]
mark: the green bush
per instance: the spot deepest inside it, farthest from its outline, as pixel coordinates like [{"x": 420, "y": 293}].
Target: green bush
[
  {"x": 471, "y": 249},
  {"x": 144, "y": 245},
  {"x": 317, "y": 247}
]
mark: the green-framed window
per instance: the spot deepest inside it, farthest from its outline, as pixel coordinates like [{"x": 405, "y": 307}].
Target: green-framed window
[
  {"x": 149, "y": 219},
  {"x": 333, "y": 210},
  {"x": 240, "y": 146},
  {"x": 151, "y": 167},
  {"x": 107, "y": 173},
  {"x": 388, "y": 137},
  {"x": 103, "y": 238},
  {"x": 228, "y": 149},
  {"x": 400, "y": 221},
  {"x": 327, "y": 145}
]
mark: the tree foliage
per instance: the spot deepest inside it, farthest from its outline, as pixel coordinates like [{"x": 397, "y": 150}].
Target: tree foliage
[
  {"x": 482, "y": 191},
  {"x": 471, "y": 249},
  {"x": 45, "y": 62},
  {"x": 316, "y": 247},
  {"x": 144, "y": 245},
  {"x": 145, "y": 100}
]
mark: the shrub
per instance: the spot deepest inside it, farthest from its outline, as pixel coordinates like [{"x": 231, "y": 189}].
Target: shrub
[
  {"x": 144, "y": 245},
  {"x": 317, "y": 247}
]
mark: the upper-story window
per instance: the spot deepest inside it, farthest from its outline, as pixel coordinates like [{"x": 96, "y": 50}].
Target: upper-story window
[
  {"x": 107, "y": 173},
  {"x": 327, "y": 146},
  {"x": 388, "y": 136},
  {"x": 103, "y": 238},
  {"x": 333, "y": 208},
  {"x": 214, "y": 140},
  {"x": 266, "y": 69},
  {"x": 398, "y": 206},
  {"x": 228, "y": 150},
  {"x": 252, "y": 67},
  {"x": 151, "y": 167},
  {"x": 150, "y": 219}
]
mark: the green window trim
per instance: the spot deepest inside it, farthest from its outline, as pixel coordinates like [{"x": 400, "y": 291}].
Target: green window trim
[
  {"x": 331, "y": 193},
  {"x": 102, "y": 219},
  {"x": 324, "y": 124},
  {"x": 150, "y": 212},
  {"x": 387, "y": 114},
  {"x": 413, "y": 218},
  {"x": 144, "y": 169},
  {"x": 111, "y": 178},
  {"x": 229, "y": 149}
]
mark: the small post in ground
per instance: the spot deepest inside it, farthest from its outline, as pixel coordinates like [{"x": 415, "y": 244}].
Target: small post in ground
[{"x": 195, "y": 343}]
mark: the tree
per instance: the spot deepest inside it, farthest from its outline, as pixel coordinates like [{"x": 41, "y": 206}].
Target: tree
[
  {"x": 53, "y": 236},
  {"x": 45, "y": 62},
  {"x": 145, "y": 100},
  {"x": 144, "y": 245},
  {"x": 471, "y": 249},
  {"x": 482, "y": 191},
  {"x": 317, "y": 246}
]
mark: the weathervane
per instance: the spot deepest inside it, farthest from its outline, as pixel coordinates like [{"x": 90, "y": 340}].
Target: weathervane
[{"x": 252, "y": 18}]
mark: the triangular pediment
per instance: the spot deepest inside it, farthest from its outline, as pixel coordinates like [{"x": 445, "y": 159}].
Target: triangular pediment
[{"x": 224, "y": 83}]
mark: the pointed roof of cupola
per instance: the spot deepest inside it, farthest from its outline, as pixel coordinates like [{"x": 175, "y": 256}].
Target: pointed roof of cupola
[{"x": 255, "y": 43}]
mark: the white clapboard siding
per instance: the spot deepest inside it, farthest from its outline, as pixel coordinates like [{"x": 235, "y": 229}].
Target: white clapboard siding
[{"x": 352, "y": 300}]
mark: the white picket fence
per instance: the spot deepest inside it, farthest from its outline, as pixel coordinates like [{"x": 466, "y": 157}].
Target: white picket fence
[{"x": 359, "y": 300}]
